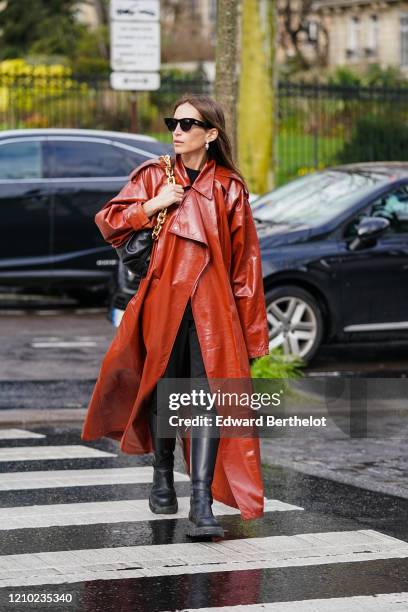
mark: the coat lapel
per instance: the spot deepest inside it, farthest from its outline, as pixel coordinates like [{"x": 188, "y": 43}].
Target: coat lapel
[
  {"x": 204, "y": 181},
  {"x": 188, "y": 222}
]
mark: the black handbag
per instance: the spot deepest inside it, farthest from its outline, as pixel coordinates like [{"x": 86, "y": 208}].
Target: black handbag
[{"x": 135, "y": 253}]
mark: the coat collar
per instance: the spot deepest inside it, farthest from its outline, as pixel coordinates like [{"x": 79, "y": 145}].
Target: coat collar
[{"x": 204, "y": 181}]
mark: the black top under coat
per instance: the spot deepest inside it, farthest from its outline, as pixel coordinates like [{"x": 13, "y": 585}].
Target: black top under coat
[{"x": 192, "y": 174}]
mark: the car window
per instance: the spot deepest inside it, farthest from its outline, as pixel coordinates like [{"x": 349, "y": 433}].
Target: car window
[
  {"x": 316, "y": 198},
  {"x": 21, "y": 160},
  {"x": 76, "y": 159},
  {"x": 135, "y": 159},
  {"x": 394, "y": 207}
]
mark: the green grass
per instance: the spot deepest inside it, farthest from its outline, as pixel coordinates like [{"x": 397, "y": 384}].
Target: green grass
[
  {"x": 298, "y": 153},
  {"x": 162, "y": 136}
]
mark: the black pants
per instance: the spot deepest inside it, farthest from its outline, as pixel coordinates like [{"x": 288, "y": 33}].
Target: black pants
[{"x": 186, "y": 361}]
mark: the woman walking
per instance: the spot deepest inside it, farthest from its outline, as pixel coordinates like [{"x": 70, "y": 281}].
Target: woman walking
[{"x": 198, "y": 313}]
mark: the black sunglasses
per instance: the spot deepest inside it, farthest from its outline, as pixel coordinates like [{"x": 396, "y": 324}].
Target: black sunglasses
[{"x": 186, "y": 123}]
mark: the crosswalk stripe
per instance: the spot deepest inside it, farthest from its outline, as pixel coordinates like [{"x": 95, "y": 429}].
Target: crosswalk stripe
[
  {"x": 11, "y": 434},
  {"x": 42, "y": 453},
  {"x": 79, "y": 478},
  {"x": 388, "y": 602},
  {"x": 90, "y": 513},
  {"x": 198, "y": 557},
  {"x": 67, "y": 344},
  {"x": 289, "y": 553}
]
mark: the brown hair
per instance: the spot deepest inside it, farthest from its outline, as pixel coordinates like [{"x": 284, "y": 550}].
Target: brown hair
[{"x": 212, "y": 111}]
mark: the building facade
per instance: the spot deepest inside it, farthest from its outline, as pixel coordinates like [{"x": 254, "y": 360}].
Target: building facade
[
  {"x": 354, "y": 33},
  {"x": 362, "y": 32}
]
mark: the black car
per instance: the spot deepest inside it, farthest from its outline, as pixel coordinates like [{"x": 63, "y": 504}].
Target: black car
[
  {"x": 334, "y": 250},
  {"x": 52, "y": 182}
]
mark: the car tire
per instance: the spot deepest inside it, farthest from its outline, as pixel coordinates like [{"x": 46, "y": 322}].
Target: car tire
[{"x": 295, "y": 321}]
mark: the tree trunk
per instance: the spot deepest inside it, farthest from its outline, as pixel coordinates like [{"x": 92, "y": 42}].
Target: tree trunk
[
  {"x": 102, "y": 13},
  {"x": 257, "y": 115},
  {"x": 226, "y": 79}
]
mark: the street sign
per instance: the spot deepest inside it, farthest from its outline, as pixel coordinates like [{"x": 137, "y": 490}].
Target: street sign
[
  {"x": 135, "y": 10},
  {"x": 135, "y": 81},
  {"x": 135, "y": 46}
]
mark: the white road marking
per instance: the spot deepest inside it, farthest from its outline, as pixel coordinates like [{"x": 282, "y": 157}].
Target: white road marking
[
  {"x": 63, "y": 339},
  {"x": 33, "y": 453},
  {"x": 88, "y": 311},
  {"x": 30, "y": 312},
  {"x": 11, "y": 313},
  {"x": 79, "y": 478},
  {"x": 61, "y": 342},
  {"x": 47, "y": 313},
  {"x": 390, "y": 602},
  {"x": 198, "y": 557},
  {"x": 91, "y": 513},
  {"x": 12, "y": 434},
  {"x": 67, "y": 344}
]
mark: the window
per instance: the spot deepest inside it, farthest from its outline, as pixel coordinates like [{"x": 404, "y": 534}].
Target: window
[
  {"x": 372, "y": 42},
  {"x": 213, "y": 11},
  {"x": 404, "y": 38},
  {"x": 353, "y": 37},
  {"x": 84, "y": 159},
  {"x": 21, "y": 160},
  {"x": 316, "y": 198},
  {"x": 394, "y": 207},
  {"x": 313, "y": 31}
]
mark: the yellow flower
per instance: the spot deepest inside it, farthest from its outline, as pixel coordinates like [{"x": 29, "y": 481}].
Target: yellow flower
[{"x": 4, "y": 98}]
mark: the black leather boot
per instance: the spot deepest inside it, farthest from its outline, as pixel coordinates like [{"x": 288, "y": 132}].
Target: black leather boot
[
  {"x": 162, "y": 499},
  {"x": 202, "y": 522}
]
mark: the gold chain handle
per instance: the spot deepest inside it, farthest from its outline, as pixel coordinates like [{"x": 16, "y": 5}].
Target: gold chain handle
[{"x": 161, "y": 217}]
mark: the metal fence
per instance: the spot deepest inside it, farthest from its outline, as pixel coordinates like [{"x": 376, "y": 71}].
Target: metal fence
[
  {"x": 87, "y": 103},
  {"x": 318, "y": 125}
]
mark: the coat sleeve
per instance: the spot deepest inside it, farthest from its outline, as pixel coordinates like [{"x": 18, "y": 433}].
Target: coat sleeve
[
  {"x": 246, "y": 274},
  {"x": 123, "y": 214}
]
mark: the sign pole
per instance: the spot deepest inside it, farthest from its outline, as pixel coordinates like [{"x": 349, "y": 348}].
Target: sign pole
[
  {"x": 135, "y": 49},
  {"x": 133, "y": 112}
]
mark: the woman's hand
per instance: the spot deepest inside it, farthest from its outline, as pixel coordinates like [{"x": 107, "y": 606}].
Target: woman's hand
[{"x": 170, "y": 194}]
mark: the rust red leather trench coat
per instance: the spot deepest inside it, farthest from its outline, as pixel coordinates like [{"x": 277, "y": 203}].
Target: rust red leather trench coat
[{"x": 207, "y": 249}]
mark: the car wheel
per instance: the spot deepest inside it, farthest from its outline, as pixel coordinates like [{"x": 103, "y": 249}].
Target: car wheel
[{"x": 295, "y": 321}]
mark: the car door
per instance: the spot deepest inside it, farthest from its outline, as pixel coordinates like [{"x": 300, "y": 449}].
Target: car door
[
  {"x": 85, "y": 173},
  {"x": 25, "y": 246},
  {"x": 375, "y": 278}
]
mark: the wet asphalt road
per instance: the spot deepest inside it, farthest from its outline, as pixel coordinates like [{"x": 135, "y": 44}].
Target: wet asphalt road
[
  {"x": 343, "y": 498},
  {"x": 334, "y": 545},
  {"x": 61, "y": 344}
]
